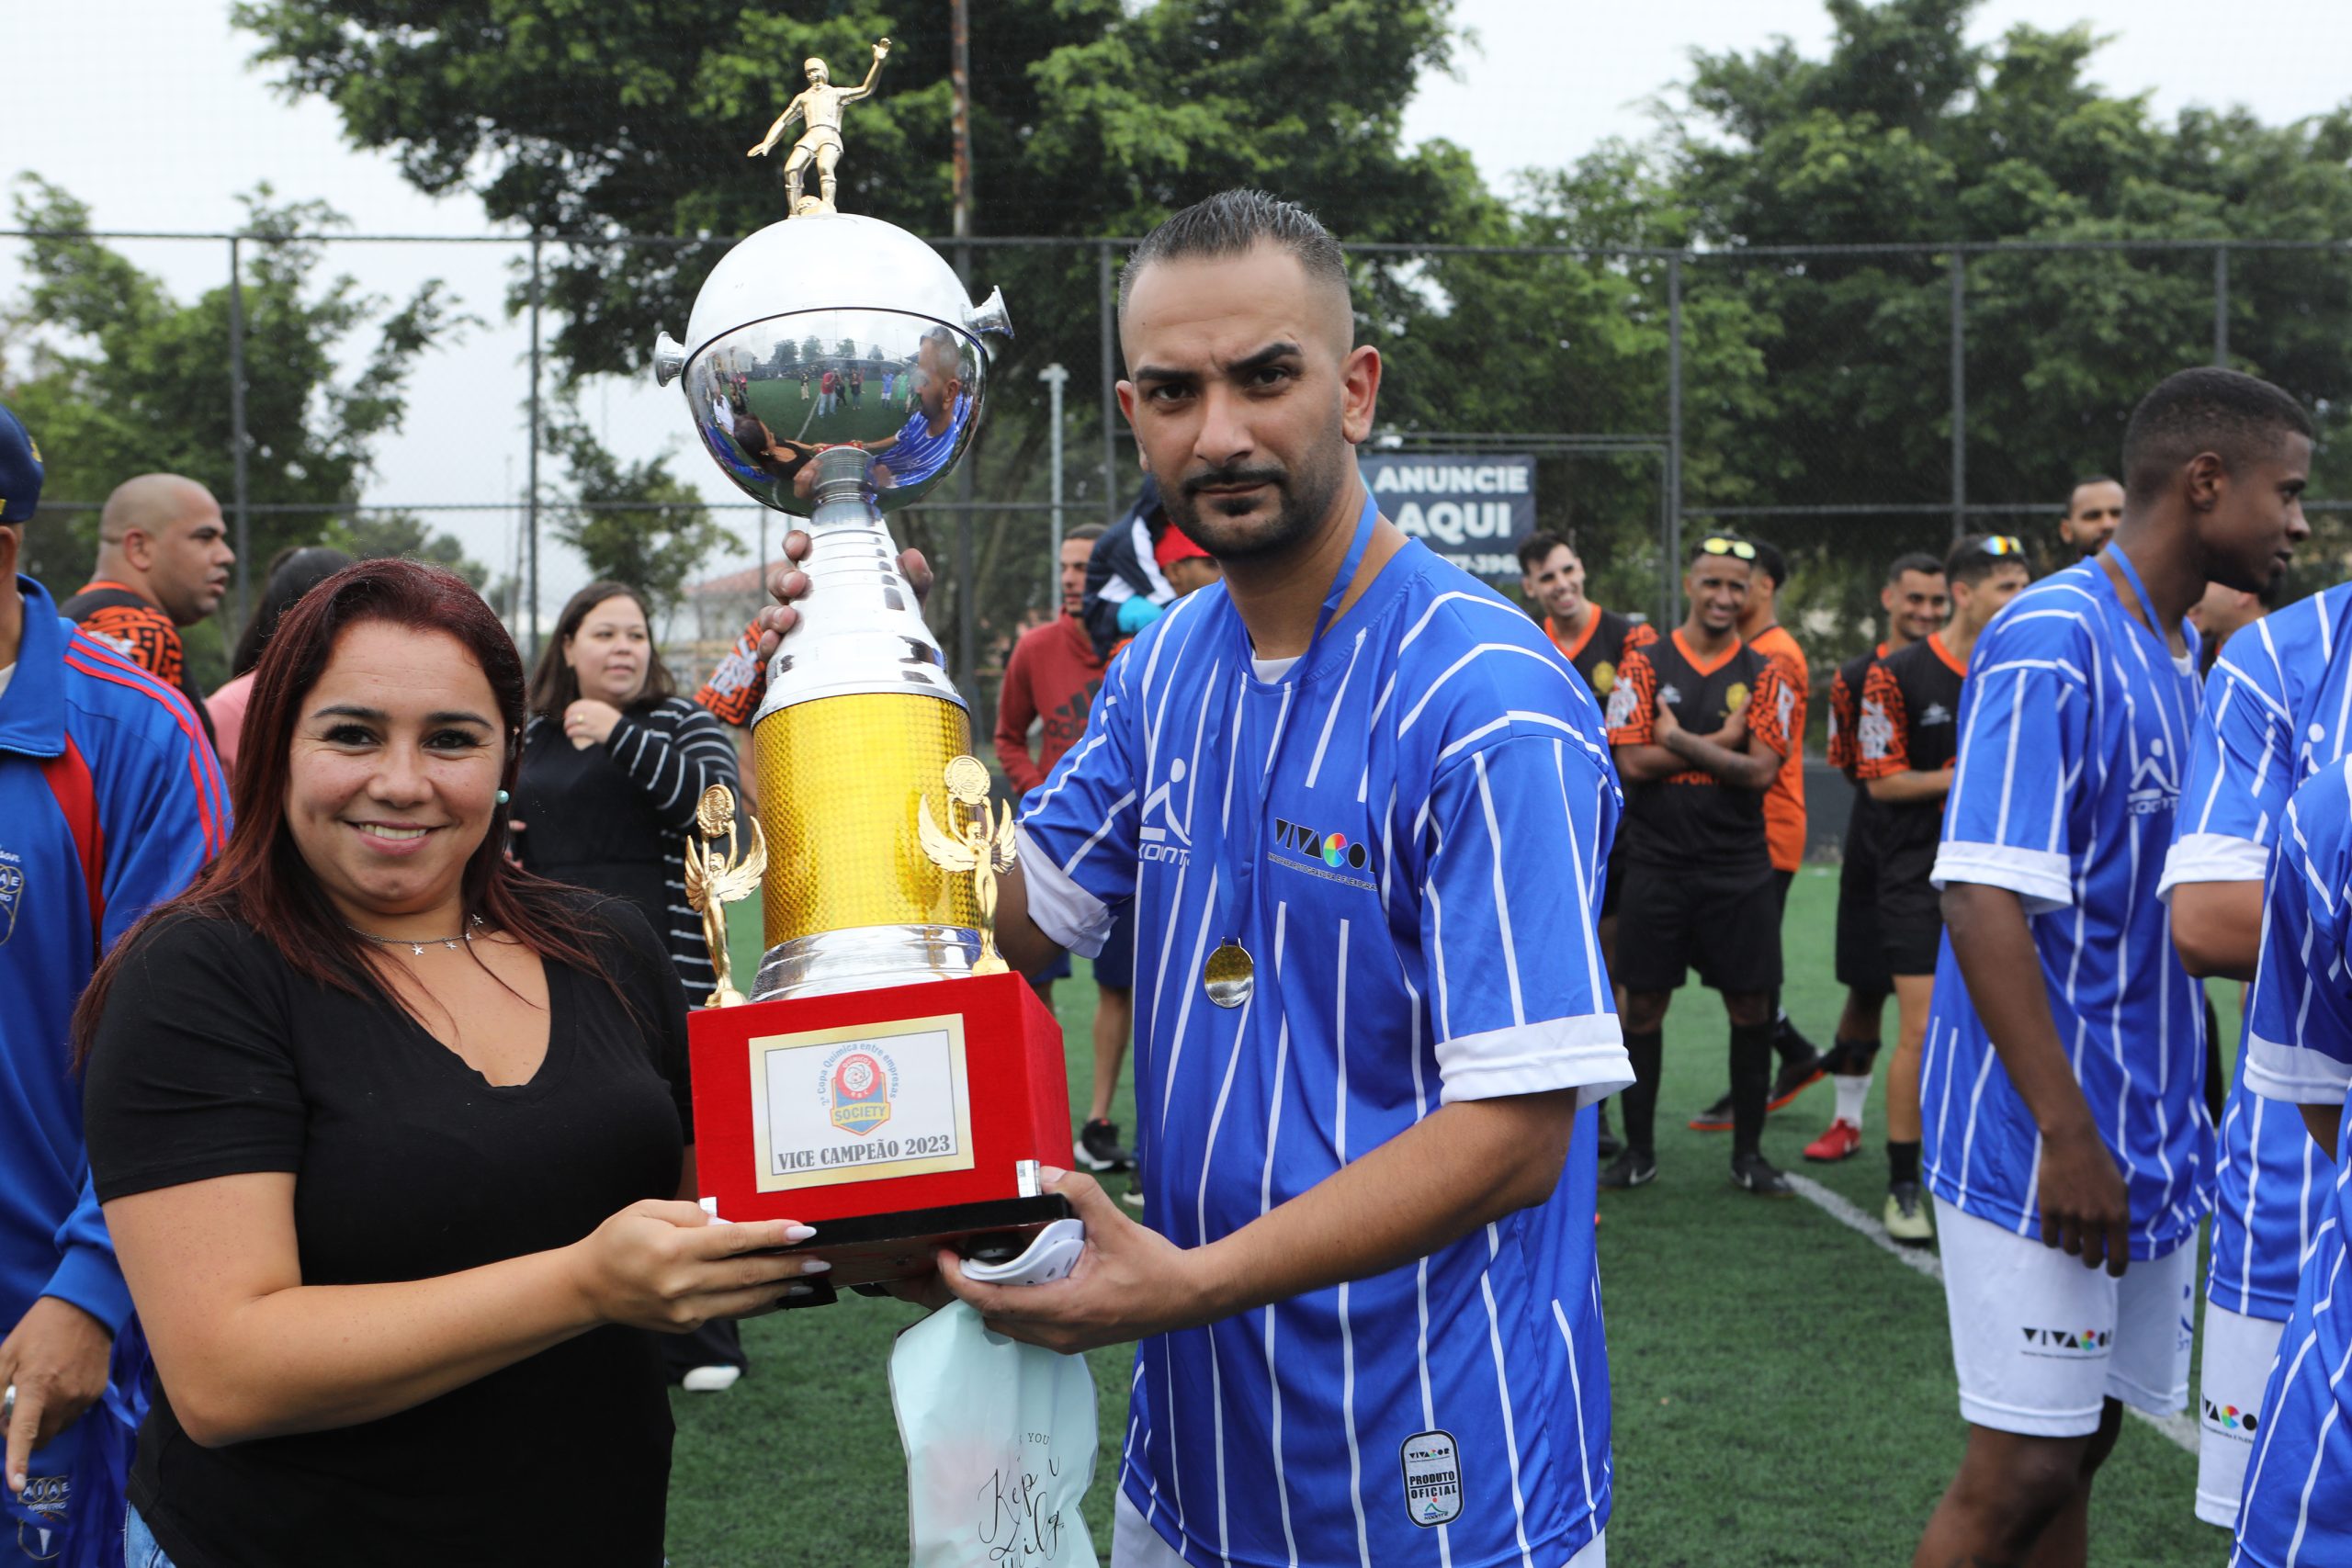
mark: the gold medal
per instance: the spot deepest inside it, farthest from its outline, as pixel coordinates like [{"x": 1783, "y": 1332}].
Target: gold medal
[{"x": 1229, "y": 976}]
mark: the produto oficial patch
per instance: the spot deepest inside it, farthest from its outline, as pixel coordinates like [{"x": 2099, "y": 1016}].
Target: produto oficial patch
[{"x": 1432, "y": 1478}]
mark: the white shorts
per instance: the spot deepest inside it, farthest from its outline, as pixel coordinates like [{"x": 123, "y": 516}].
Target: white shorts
[
  {"x": 2039, "y": 1341},
  {"x": 1135, "y": 1544},
  {"x": 2230, "y": 1380}
]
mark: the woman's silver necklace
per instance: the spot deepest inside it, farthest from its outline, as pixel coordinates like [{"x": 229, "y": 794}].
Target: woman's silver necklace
[{"x": 473, "y": 923}]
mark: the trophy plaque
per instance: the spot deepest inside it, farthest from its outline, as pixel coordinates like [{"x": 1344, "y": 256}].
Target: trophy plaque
[{"x": 888, "y": 1080}]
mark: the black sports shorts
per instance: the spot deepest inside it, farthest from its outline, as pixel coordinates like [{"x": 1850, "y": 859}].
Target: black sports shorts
[
  {"x": 1671, "y": 921},
  {"x": 1614, "y": 881},
  {"x": 1910, "y": 916},
  {"x": 1861, "y": 959}
]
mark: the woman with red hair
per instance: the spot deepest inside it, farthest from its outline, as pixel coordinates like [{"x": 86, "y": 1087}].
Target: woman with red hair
[{"x": 394, "y": 1138}]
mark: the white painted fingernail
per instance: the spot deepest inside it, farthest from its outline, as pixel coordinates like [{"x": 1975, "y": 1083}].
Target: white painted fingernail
[
  {"x": 795, "y": 1235},
  {"x": 816, "y": 1266}
]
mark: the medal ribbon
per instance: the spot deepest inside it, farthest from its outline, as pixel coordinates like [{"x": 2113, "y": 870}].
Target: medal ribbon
[{"x": 1235, "y": 888}]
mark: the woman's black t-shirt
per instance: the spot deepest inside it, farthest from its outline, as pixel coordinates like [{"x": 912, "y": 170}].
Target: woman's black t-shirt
[{"x": 215, "y": 1058}]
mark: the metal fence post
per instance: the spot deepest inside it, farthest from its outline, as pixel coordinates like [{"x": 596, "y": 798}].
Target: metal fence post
[
  {"x": 531, "y": 477},
  {"x": 1959, "y": 394},
  {"x": 2222, "y": 305},
  {"x": 1107, "y": 328},
  {"x": 241, "y": 495},
  {"x": 1672, "y": 569},
  {"x": 1055, "y": 376}
]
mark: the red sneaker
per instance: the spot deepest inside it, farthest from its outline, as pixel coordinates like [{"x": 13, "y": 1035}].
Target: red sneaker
[{"x": 1843, "y": 1141}]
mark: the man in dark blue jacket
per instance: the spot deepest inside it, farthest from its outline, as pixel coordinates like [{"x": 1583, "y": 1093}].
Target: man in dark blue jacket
[{"x": 111, "y": 801}]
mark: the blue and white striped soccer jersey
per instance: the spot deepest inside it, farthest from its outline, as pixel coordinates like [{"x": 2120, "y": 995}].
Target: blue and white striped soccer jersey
[
  {"x": 2296, "y": 1511},
  {"x": 1429, "y": 852},
  {"x": 2278, "y": 708},
  {"x": 2074, "y": 726}
]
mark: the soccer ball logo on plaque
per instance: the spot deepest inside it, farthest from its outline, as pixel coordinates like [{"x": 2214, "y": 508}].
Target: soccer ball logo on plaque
[{"x": 888, "y": 1080}]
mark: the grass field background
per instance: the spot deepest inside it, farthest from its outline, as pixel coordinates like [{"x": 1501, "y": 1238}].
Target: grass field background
[{"x": 1784, "y": 1391}]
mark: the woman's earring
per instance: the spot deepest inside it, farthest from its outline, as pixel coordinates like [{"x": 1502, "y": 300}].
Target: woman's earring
[{"x": 503, "y": 797}]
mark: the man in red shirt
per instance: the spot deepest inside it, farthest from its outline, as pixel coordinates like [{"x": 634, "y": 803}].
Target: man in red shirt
[{"x": 1049, "y": 683}]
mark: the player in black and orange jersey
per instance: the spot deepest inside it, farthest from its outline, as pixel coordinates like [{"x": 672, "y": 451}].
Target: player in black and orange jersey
[
  {"x": 1700, "y": 725},
  {"x": 1915, "y": 603},
  {"x": 1905, "y": 738},
  {"x": 1595, "y": 641}
]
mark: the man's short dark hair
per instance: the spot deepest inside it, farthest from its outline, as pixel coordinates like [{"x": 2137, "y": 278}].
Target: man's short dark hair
[
  {"x": 1918, "y": 562},
  {"x": 2238, "y": 418},
  {"x": 1233, "y": 223},
  {"x": 1972, "y": 563},
  {"x": 1083, "y": 531},
  {"x": 2083, "y": 483},
  {"x": 1536, "y": 548},
  {"x": 1771, "y": 563}
]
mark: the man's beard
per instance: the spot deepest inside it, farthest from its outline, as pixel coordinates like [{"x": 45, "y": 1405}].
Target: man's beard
[{"x": 1302, "y": 501}]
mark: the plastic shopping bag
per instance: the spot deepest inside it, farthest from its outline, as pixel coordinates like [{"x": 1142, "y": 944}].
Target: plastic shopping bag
[{"x": 999, "y": 1440}]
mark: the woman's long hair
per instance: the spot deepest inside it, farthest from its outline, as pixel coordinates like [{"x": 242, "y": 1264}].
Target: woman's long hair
[
  {"x": 293, "y": 572},
  {"x": 261, "y": 877},
  {"x": 554, "y": 686}
]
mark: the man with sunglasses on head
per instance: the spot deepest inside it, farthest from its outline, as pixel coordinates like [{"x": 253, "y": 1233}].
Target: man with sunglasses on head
[
  {"x": 1915, "y": 600},
  {"x": 2070, "y": 1113},
  {"x": 1699, "y": 724},
  {"x": 1906, "y": 740}
]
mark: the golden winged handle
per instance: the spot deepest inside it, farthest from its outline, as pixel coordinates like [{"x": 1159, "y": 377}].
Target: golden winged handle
[
  {"x": 967, "y": 845},
  {"x": 713, "y": 881}
]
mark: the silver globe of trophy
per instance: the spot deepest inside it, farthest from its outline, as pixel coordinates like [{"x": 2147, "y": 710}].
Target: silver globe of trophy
[{"x": 835, "y": 371}]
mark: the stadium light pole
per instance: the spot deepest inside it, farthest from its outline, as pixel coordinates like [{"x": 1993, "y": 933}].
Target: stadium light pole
[
  {"x": 241, "y": 495},
  {"x": 531, "y": 473},
  {"x": 1959, "y": 394},
  {"x": 1055, "y": 377}
]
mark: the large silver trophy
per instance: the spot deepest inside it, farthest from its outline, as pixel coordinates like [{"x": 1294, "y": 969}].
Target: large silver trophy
[{"x": 835, "y": 368}]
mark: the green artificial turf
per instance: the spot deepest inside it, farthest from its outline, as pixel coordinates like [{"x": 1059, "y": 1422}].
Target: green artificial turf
[{"x": 1784, "y": 1391}]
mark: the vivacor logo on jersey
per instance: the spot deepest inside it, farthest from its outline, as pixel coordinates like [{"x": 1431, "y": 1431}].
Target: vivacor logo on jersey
[
  {"x": 2231, "y": 1420},
  {"x": 1340, "y": 859},
  {"x": 1432, "y": 1478},
  {"x": 1169, "y": 838},
  {"x": 2068, "y": 1341}
]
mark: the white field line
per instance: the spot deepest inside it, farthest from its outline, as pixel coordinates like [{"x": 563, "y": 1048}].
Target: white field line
[{"x": 2180, "y": 1429}]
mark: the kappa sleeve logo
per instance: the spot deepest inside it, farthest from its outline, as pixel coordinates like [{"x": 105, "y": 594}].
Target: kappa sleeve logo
[
  {"x": 1625, "y": 701},
  {"x": 1875, "y": 731}
]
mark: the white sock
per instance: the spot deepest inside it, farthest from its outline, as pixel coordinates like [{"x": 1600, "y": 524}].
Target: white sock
[{"x": 1853, "y": 1093}]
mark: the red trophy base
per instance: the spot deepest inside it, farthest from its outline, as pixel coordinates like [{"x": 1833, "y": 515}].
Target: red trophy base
[{"x": 896, "y": 1121}]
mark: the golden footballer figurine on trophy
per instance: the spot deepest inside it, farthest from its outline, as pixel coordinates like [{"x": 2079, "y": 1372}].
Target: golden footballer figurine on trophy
[
  {"x": 715, "y": 878},
  {"x": 972, "y": 846}
]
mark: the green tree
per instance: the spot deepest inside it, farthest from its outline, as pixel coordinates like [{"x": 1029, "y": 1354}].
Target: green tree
[
  {"x": 634, "y": 523},
  {"x": 117, "y": 378}
]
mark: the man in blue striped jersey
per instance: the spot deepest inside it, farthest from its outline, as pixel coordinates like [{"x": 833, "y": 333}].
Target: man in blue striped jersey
[
  {"x": 2296, "y": 1509},
  {"x": 1360, "y": 807},
  {"x": 2278, "y": 708},
  {"x": 2070, "y": 1114}
]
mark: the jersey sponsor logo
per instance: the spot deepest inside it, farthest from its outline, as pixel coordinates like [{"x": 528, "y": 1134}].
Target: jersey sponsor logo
[
  {"x": 1432, "y": 1465},
  {"x": 1621, "y": 707},
  {"x": 1337, "y": 853},
  {"x": 2154, "y": 789},
  {"x": 2229, "y": 1419},
  {"x": 2067, "y": 1343},
  {"x": 1874, "y": 734},
  {"x": 48, "y": 1495},
  {"x": 1170, "y": 838},
  {"x": 1735, "y": 696},
  {"x": 1604, "y": 678},
  {"x": 1936, "y": 713},
  {"x": 860, "y": 1088},
  {"x": 12, "y": 894}
]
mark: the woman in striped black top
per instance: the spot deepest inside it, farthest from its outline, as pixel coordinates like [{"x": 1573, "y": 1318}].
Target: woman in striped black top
[{"x": 614, "y": 763}]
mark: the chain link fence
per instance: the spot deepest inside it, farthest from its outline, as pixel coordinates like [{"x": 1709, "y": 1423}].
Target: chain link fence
[{"x": 1849, "y": 403}]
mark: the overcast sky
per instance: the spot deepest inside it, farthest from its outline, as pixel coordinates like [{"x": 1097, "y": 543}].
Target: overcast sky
[{"x": 172, "y": 125}]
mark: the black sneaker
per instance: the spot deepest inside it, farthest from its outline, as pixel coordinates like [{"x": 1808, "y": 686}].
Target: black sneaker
[
  {"x": 1754, "y": 1173},
  {"x": 1099, "y": 1148},
  {"x": 1630, "y": 1169},
  {"x": 1793, "y": 1078},
  {"x": 1716, "y": 1118}
]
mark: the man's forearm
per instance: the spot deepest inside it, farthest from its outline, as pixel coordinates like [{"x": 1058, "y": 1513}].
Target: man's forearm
[
  {"x": 1909, "y": 786},
  {"x": 1744, "y": 770},
  {"x": 2325, "y": 1125},
  {"x": 2217, "y": 927},
  {"x": 1026, "y": 948},
  {"x": 1466, "y": 1165},
  {"x": 1994, "y": 946}
]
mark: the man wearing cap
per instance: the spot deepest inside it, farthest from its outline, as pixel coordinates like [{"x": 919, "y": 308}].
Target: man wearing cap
[
  {"x": 164, "y": 560},
  {"x": 110, "y": 799}
]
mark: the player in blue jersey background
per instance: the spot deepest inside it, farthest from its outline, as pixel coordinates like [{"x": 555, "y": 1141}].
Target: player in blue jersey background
[
  {"x": 2296, "y": 1509},
  {"x": 111, "y": 801},
  {"x": 1368, "y": 1308},
  {"x": 2277, "y": 709},
  {"x": 2071, "y": 1114}
]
